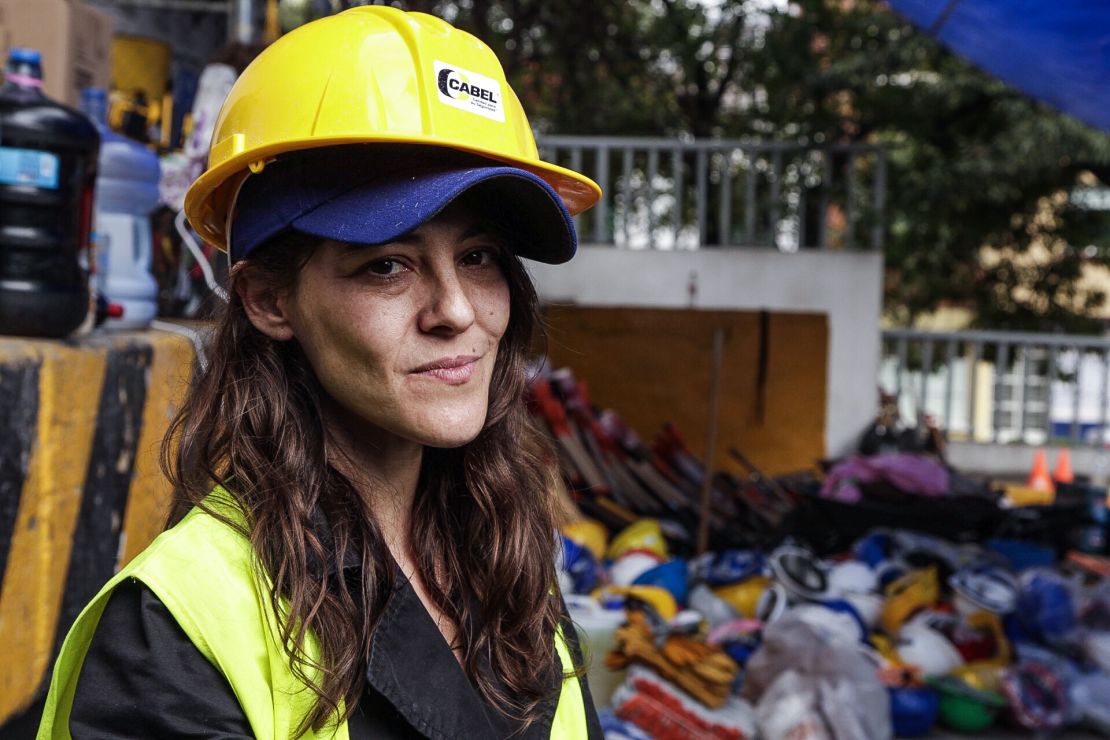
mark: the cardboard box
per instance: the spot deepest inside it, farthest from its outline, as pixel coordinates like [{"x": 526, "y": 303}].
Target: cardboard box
[{"x": 75, "y": 40}]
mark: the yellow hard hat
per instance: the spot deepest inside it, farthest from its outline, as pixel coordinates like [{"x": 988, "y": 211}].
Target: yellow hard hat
[
  {"x": 644, "y": 534},
  {"x": 371, "y": 74},
  {"x": 658, "y": 597},
  {"x": 590, "y": 534},
  {"x": 744, "y": 596},
  {"x": 917, "y": 590}
]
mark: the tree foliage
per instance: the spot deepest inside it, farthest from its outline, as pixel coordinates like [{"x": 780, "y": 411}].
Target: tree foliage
[
  {"x": 978, "y": 213},
  {"x": 978, "y": 207},
  {"x": 658, "y": 67}
]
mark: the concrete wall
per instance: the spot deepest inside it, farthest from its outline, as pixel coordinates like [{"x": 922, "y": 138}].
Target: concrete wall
[
  {"x": 1012, "y": 462},
  {"x": 81, "y": 491},
  {"x": 845, "y": 286}
]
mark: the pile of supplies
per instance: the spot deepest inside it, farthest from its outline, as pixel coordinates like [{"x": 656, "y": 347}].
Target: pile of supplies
[{"x": 820, "y": 609}]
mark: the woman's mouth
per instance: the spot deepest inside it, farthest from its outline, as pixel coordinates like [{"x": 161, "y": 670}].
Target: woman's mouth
[{"x": 450, "y": 370}]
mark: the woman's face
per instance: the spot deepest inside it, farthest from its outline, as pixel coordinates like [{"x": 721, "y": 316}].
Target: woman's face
[{"x": 404, "y": 336}]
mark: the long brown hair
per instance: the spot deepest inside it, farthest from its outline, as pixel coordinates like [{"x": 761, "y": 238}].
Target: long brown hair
[{"x": 482, "y": 523}]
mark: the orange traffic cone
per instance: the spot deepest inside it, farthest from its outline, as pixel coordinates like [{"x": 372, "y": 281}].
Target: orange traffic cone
[
  {"x": 1063, "y": 472},
  {"x": 1039, "y": 480}
]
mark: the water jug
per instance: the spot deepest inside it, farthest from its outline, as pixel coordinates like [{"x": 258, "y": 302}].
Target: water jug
[
  {"x": 48, "y": 158},
  {"x": 597, "y": 628},
  {"x": 126, "y": 193}
]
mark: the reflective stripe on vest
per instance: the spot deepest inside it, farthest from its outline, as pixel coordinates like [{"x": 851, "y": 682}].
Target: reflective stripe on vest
[{"x": 202, "y": 571}]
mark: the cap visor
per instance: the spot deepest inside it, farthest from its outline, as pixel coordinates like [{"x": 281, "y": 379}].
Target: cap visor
[{"x": 383, "y": 211}]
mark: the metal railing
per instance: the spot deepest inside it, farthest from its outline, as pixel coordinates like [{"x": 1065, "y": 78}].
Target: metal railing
[
  {"x": 672, "y": 194},
  {"x": 988, "y": 386}
]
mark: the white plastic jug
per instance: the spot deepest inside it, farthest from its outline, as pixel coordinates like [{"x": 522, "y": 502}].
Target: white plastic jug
[
  {"x": 597, "y": 627},
  {"x": 126, "y": 194}
]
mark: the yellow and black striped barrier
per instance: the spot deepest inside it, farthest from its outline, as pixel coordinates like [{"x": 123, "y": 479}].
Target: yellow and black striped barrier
[{"x": 81, "y": 491}]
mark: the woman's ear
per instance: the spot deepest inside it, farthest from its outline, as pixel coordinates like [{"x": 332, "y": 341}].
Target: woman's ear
[{"x": 266, "y": 307}]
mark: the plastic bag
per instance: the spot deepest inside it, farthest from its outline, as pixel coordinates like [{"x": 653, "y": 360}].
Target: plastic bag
[
  {"x": 805, "y": 684},
  {"x": 906, "y": 472},
  {"x": 1090, "y": 697}
]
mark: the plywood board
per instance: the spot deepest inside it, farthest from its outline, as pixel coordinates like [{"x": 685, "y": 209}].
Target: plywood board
[{"x": 653, "y": 366}]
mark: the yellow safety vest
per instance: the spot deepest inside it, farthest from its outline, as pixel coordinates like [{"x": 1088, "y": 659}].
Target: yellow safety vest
[{"x": 202, "y": 571}]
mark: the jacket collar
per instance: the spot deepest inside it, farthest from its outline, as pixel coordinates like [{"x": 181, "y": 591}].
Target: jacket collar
[{"x": 414, "y": 668}]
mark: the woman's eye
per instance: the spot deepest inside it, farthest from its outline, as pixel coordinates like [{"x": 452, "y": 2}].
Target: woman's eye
[
  {"x": 480, "y": 257},
  {"x": 385, "y": 268}
]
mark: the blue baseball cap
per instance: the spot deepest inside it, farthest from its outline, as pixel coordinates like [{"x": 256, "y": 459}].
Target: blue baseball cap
[{"x": 350, "y": 197}]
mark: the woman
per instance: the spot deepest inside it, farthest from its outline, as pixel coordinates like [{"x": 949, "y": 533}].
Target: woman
[{"x": 364, "y": 540}]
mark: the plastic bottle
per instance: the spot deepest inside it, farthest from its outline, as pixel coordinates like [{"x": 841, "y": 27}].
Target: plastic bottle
[
  {"x": 126, "y": 193},
  {"x": 48, "y": 159},
  {"x": 597, "y": 628}
]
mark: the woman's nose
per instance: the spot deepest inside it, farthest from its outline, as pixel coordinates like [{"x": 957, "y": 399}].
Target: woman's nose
[{"x": 449, "y": 309}]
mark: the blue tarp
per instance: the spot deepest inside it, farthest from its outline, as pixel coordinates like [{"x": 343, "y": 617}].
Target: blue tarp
[{"x": 1055, "y": 50}]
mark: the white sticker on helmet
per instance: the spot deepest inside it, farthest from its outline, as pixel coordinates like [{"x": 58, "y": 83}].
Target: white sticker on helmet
[{"x": 469, "y": 91}]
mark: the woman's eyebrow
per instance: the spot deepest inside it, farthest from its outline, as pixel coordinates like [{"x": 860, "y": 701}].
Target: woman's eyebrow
[
  {"x": 416, "y": 238},
  {"x": 357, "y": 248},
  {"x": 473, "y": 231},
  {"x": 485, "y": 230}
]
